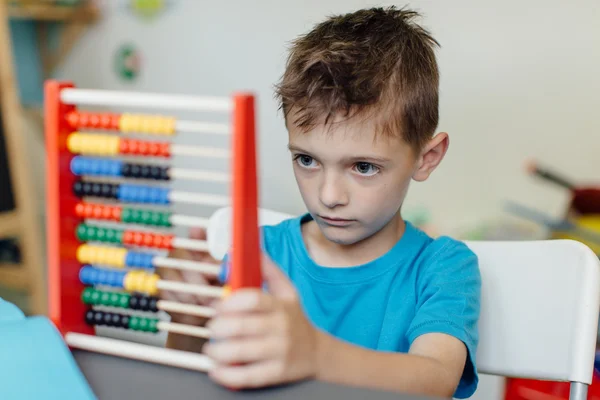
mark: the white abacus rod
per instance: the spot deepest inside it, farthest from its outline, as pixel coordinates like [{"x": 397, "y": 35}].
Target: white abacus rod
[
  {"x": 115, "y": 98},
  {"x": 176, "y": 263},
  {"x": 188, "y": 220},
  {"x": 190, "y": 244},
  {"x": 184, "y": 308},
  {"x": 199, "y": 198},
  {"x": 189, "y": 330},
  {"x": 137, "y": 351},
  {"x": 199, "y": 151},
  {"x": 202, "y": 127},
  {"x": 199, "y": 290},
  {"x": 198, "y": 175}
]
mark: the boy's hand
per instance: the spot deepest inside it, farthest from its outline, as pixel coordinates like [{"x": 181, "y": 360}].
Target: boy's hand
[{"x": 262, "y": 338}]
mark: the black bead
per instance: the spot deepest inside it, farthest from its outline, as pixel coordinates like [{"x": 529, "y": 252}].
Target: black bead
[
  {"x": 78, "y": 189},
  {"x": 145, "y": 172},
  {"x": 107, "y": 319},
  {"x": 106, "y": 190},
  {"x": 135, "y": 171},
  {"x": 86, "y": 189},
  {"x": 144, "y": 303},
  {"x": 152, "y": 304},
  {"x": 134, "y": 302},
  {"x": 164, "y": 174},
  {"x": 124, "y": 323},
  {"x": 89, "y": 317},
  {"x": 96, "y": 189},
  {"x": 98, "y": 317},
  {"x": 126, "y": 170},
  {"x": 114, "y": 191},
  {"x": 114, "y": 320}
]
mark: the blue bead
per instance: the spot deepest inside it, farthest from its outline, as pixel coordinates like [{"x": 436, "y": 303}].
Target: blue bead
[
  {"x": 147, "y": 261},
  {"x": 85, "y": 275},
  {"x": 115, "y": 168},
  {"x": 224, "y": 272},
  {"x": 93, "y": 167},
  {"x": 125, "y": 193},
  {"x": 76, "y": 166}
]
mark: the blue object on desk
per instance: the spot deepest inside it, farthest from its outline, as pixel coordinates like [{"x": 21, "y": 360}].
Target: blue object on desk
[{"x": 36, "y": 363}]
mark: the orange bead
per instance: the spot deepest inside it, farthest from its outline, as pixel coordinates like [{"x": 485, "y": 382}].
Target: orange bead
[
  {"x": 116, "y": 213},
  {"x": 128, "y": 237},
  {"x": 138, "y": 238},
  {"x": 73, "y": 119},
  {"x": 88, "y": 210},
  {"x": 79, "y": 210},
  {"x": 147, "y": 239}
]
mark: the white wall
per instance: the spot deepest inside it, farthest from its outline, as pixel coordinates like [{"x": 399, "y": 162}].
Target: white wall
[{"x": 519, "y": 80}]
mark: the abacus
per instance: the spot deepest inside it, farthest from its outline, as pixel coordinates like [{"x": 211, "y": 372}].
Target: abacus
[{"x": 102, "y": 241}]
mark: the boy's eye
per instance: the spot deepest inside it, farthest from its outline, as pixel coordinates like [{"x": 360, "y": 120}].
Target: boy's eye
[
  {"x": 305, "y": 161},
  {"x": 365, "y": 168}
]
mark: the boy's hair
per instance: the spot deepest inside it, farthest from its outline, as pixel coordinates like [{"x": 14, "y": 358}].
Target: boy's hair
[{"x": 375, "y": 62}]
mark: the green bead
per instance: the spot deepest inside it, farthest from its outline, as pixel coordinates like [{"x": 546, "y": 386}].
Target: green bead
[
  {"x": 164, "y": 219},
  {"x": 144, "y": 324},
  {"x": 110, "y": 236},
  {"x": 113, "y": 299},
  {"x": 118, "y": 236},
  {"x": 134, "y": 323},
  {"x": 91, "y": 233},
  {"x": 124, "y": 300},
  {"x": 86, "y": 295},
  {"x": 136, "y": 216},
  {"x": 105, "y": 298},
  {"x": 101, "y": 234},
  {"x": 81, "y": 232},
  {"x": 152, "y": 325},
  {"x": 155, "y": 218},
  {"x": 146, "y": 217},
  {"x": 126, "y": 215},
  {"x": 95, "y": 297}
]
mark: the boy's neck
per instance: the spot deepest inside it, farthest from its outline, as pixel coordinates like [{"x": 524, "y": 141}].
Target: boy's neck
[{"x": 326, "y": 252}]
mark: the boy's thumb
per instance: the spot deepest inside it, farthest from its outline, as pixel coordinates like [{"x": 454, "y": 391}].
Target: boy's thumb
[{"x": 278, "y": 284}]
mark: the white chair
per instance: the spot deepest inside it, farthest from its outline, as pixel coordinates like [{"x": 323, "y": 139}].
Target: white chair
[
  {"x": 539, "y": 311},
  {"x": 539, "y": 308}
]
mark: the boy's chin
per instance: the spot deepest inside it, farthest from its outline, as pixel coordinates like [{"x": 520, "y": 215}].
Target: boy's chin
[{"x": 341, "y": 236}]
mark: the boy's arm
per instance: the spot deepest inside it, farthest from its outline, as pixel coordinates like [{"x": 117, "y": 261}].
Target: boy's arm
[{"x": 433, "y": 366}]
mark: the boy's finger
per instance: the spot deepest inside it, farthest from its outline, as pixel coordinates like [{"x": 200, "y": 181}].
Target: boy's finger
[
  {"x": 224, "y": 327},
  {"x": 277, "y": 281},
  {"x": 246, "y": 300},
  {"x": 242, "y": 350},
  {"x": 253, "y": 375}
]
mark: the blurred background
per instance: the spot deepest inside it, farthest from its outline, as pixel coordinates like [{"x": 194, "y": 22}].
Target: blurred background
[{"x": 519, "y": 97}]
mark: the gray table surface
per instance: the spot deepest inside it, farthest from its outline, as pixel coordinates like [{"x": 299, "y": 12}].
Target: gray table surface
[{"x": 121, "y": 378}]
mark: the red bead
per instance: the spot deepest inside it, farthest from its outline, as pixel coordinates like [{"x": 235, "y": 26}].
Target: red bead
[
  {"x": 147, "y": 239},
  {"x": 124, "y": 146},
  {"x": 167, "y": 242},
  {"x": 106, "y": 212},
  {"x": 97, "y": 212},
  {"x": 114, "y": 121},
  {"x": 116, "y": 213},
  {"x": 143, "y": 148},
  {"x": 88, "y": 210},
  {"x": 153, "y": 148},
  {"x": 79, "y": 210},
  {"x": 138, "y": 238},
  {"x": 128, "y": 237},
  {"x": 84, "y": 120},
  {"x": 94, "y": 120},
  {"x": 165, "y": 150},
  {"x": 73, "y": 119}
]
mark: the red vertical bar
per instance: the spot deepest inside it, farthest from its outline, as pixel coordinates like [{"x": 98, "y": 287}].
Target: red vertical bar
[
  {"x": 66, "y": 310},
  {"x": 245, "y": 252}
]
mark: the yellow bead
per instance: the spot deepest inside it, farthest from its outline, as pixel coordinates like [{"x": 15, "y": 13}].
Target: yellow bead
[
  {"x": 83, "y": 254},
  {"x": 74, "y": 143},
  {"x": 150, "y": 285}
]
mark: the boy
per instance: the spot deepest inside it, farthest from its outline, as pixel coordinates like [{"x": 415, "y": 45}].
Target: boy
[{"x": 357, "y": 295}]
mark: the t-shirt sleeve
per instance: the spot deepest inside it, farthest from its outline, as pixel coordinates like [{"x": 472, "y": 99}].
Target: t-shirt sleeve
[{"x": 448, "y": 301}]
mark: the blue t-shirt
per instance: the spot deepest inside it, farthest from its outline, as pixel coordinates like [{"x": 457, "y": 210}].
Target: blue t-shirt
[{"x": 421, "y": 285}]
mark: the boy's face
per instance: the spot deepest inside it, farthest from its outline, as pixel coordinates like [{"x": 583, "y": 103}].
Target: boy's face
[{"x": 352, "y": 180}]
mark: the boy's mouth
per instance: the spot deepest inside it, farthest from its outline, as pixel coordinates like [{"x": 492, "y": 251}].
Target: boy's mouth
[{"x": 333, "y": 221}]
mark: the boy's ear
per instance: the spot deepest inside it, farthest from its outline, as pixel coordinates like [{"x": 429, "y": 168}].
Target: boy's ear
[{"x": 431, "y": 156}]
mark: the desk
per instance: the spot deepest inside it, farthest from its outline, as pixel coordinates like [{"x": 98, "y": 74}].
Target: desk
[{"x": 120, "y": 378}]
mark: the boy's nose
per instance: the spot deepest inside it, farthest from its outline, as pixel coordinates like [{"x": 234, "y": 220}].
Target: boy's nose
[{"x": 333, "y": 193}]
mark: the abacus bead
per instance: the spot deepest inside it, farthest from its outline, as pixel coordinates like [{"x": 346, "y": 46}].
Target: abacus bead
[
  {"x": 153, "y": 304},
  {"x": 78, "y": 189},
  {"x": 146, "y": 217},
  {"x": 96, "y": 212},
  {"x": 152, "y": 325},
  {"x": 124, "y": 322},
  {"x": 127, "y": 215},
  {"x": 123, "y": 300},
  {"x": 144, "y": 172},
  {"x": 155, "y": 218},
  {"x": 107, "y": 319},
  {"x": 164, "y": 219},
  {"x": 113, "y": 299},
  {"x": 115, "y": 320},
  {"x": 98, "y": 318},
  {"x": 143, "y": 324},
  {"x": 134, "y": 302},
  {"x": 89, "y": 317},
  {"x": 95, "y": 297},
  {"x": 134, "y": 323},
  {"x": 80, "y": 232},
  {"x": 143, "y": 301},
  {"x": 86, "y": 295},
  {"x": 153, "y": 149},
  {"x": 148, "y": 239},
  {"x": 115, "y": 191},
  {"x": 105, "y": 299}
]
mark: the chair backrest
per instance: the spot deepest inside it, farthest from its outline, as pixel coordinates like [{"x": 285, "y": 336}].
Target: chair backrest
[{"x": 539, "y": 309}]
